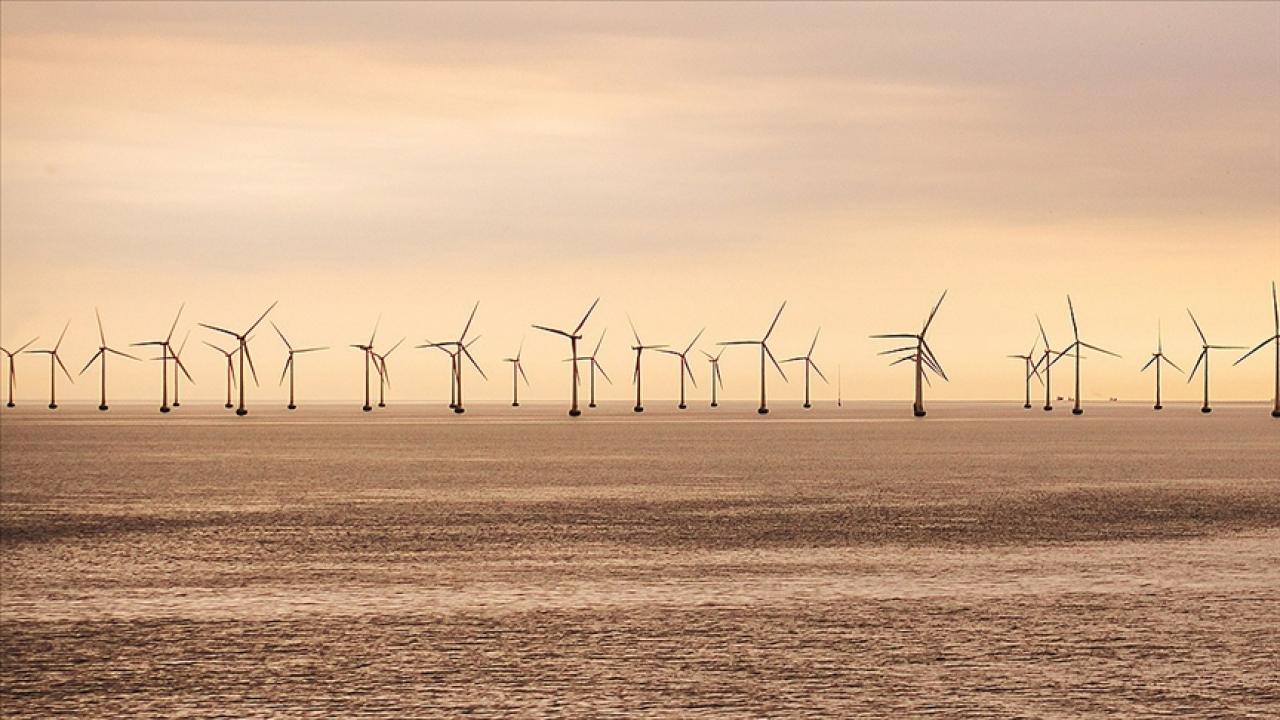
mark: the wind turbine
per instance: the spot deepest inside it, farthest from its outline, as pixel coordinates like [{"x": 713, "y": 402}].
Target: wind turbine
[
  {"x": 1205, "y": 347},
  {"x": 639, "y": 347},
  {"x": 1158, "y": 357},
  {"x": 715, "y": 374},
  {"x": 288, "y": 364},
  {"x": 13, "y": 373},
  {"x": 368, "y": 358},
  {"x": 517, "y": 369},
  {"x": 460, "y": 349},
  {"x": 164, "y": 359},
  {"x": 231, "y": 370},
  {"x": 384, "y": 377},
  {"x": 53, "y": 374},
  {"x": 243, "y": 340},
  {"x": 921, "y": 355},
  {"x": 807, "y": 358},
  {"x": 1275, "y": 309},
  {"x": 839, "y": 387},
  {"x": 574, "y": 337},
  {"x": 684, "y": 365},
  {"x": 102, "y": 353},
  {"x": 1030, "y": 370},
  {"x": 1075, "y": 331},
  {"x": 1048, "y": 358},
  {"x": 764, "y": 352},
  {"x": 177, "y": 360}
]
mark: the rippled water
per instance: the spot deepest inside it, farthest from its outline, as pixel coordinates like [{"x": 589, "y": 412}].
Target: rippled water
[{"x": 987, "y": 561}]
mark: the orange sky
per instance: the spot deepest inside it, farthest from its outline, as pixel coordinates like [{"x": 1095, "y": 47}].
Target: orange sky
[{"x": 694, "y": 165}]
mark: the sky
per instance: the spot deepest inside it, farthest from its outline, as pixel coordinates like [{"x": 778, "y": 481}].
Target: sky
[{"x": 692, "y": 165}]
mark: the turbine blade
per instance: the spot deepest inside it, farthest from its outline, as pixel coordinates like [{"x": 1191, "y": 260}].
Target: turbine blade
[
  {"x": 1261, "y": 345},
  {"x": 374, "y": 334},
  {"x": 894, "y": 335},
  {"x": 551, "y": 330},
  {"x": 393, "y": 348},
  {"x": 740, "y": 342},
  {"x": 1095, "y": 347},
  {"x": 221, "y": 330},
  {"x": 63, "y": 335},
  {"x": 600, "y": 367},
  {"x": 123, "y": 354},
  {"x": 283, "y": 339},
  {"x": 814, "y": 344},
  {"x": 66, "y": 372},
  {"x": 1203, "y": 339},
  {"x": 890, "y": 352},
  {"x": 814, "y": 365},
  {"x": 285, "y": 371},
  {"x": 467, "y": 352},
  {"x": 684, "y": 365},
  {"x": 1175, "y": 367},
  {"x": 584, "y": 317},
  {"x": 95, "y": 357},
  {"x": 520, "y": 367},
  {"x": 1075, "y": 329},
  {"x": 598, "y": 343},
  {"x": 466, "y": 328},
  {"x": 178, "y": 361},
  {"x": 261, "y": 317},
  {"x": 174, "y": 326},
  {"x": 718, "y": 375},
  {"x": 694, "y": 341},
  {"x": 215, "y": 347},
  {"x": 634, "y": 332},
  {"x": 1203, "y": 353},
  {"x": 1042, "y": 332},
  {"x": 769, "y": 352},
  {"x": 310, "y": 349},
  {"x": 101, "y": 334},
  {"x": 774, "y": 324},
  {"x": 244, "y": 348},
  {"x": 1153, "y": 359},
  {"x": 933, "y": 312}
]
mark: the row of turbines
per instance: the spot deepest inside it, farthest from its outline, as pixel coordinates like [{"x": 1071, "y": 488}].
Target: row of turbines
[{"x": 1037, "y": 362}]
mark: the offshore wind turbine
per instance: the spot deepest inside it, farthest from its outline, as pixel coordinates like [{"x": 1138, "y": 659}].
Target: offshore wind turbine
[
  {"x": 1075, "y": 331},
  {"x": 517, "y": 372},
  {"x": 367, "y": 348},
  {"x": 639, "y": 347},
  {"x": 764, "y": 352},
  {"x": 164, "y": 359},
  {"x": 574, "y": 337},
  {"x": 13, "y": 373},
  {"x": 384, "y": 377},
  {"x": 1030, "y": 368},
  {"x": 594, "y": 366},
  {"x": 1205, "y": 347},
  {"x": 243, "y": 340},
  {"x": 55, "y": 362},
  {"x": 1275, "y": 309},
  {"x": 1049, "y": 357},
  {"x": 807, "y": 358},
  {"x": 715, "y": 374},
  {"x": 921, "y": 355},
  {"x": 288, "y": 364},
  {"x": 1158, "y": 357},
  {"x": 684, "y": 365},
  {"x": 460, "y": 349},
  {"x": 101, "y": 355},
  {"x": 231, "y": 370}
]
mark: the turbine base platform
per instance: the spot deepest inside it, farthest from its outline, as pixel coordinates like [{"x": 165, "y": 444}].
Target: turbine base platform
[
  {"x": 53, "y": 406},
  {"x": 164, "y": 408},
  {"x": 103, "y": 407},
  {"x": 1048, "y": 408},
  {"x": 1274, "y": 413},
  {"x": 715, "y": 404},
  {"x": 291, "y": 406},
  {"x": 382, "y": 404},
  {"x": 807, "y": 406},
  {"x": 366, "y": 408},
  {"x": 1077, "y": 411},
  {"x": 177, "y": 404},
  {"x": 1027, "y": 406},
  {"x": 12, "y": 405},
  {"x": 763, "y": 411},
  {"x": 228, "y": 406},
  {"x": 575, "y": 412},
  {"x": 918, "y": 413},
  {"x": 682, "y": 406},
  {"x": 1206, "y": 409},
  {"x": 459, "y": 410},
  {"x": 1159, "y": 407},
  {"x": 515, "y": 404},
  {"x": 591, "y": 405},
  {"x": 241, "y": 412},
  {"x": 638, "y": 408}
]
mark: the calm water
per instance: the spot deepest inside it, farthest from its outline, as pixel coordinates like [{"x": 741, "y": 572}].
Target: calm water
[{"x": 987, "y": 561}]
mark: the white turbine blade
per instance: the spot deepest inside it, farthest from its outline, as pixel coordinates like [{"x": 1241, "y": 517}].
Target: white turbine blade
[
  {"x": 600, "y": 367},
  {"x": 1203, "y": 339},
  {"x": 467, "y": 328},
  {"x": 769, "y": 352},
  {"x": 894, "y": 335},
  {"x": 61, "y": 336},
  {"x": 1075, "y": 329},
  {"x": 520, "y": 367},
  {"x": 694, "y": 341},
  {"x": 283, "y": 339},
  {"x": 285, "y": 371},
  {"x": 684, "y": 365},
  {"x": 814, "y": 344},
  {"x": 1203, "y": 353},
  {"x": 1095, "y": 347},
  {"x": 123, "y": 354},
  {"x": 1175, "y": 367},
  {"x": 65, "y": 371},
  {"x": 467, "y": 352},
  {"x": 740, "y": 342},
  {"x": 261, "y": 318},
  {"x": 174, "y": 326},
  {"x": 244, "y": 348},
  {"x": 774, "y": 324},
  {"x": 634, "y": 332},
  {"x": 1042, "y": 332},
  {"x": 551, "y": 330},
  {"x": 933, "y": 312},
  {"x": 598, "y": 343},
  {"x": 1144, "y": 367},
  {"x": 95, "y": 357},
  {"x": 102, "y": 335},
  {"x": 393, "y": 348},
  {"x": 814, "y": 365},
  {"x": 221, "y": 330},
  {"x": 890, "y": 352},
  {"x": 1261, "y": 345}
]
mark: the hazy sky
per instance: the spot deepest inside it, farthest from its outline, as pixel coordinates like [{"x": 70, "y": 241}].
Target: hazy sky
[{"x": 694, "y": 165}]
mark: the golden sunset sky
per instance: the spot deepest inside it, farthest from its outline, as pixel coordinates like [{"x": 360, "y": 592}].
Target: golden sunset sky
[{"x": 693, "y": 165}]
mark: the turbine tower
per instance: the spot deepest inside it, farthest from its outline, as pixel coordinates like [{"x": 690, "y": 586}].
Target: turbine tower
[
  {"x": 517, "y": 372},
  {"x": 1275, "y": 309},
  {"x": 243, "y": 340},
  {"x": 1158, "y": 357},
  {"x": 288, "y": 364},
  {"x": 715, "y": 374},
  {"x": 1049, "y": 357},
  {"x": 574, "y": 337},
  {"x": 1075, "y": 331},
  {"x": 101, "y": 354},
  {"x": 55, "y": 362},
  {"x": 921, "y": 355},
  {"x": 13, "y": 373},
  {"x": 1030, "y": 369},
  {"x": 684, "y": 365},
  {"x": 807, "y": 358},
  {"x": 1205, "y": 347},
  {"x": 231, "y": 370},
  {"x": 764, "y": 352},
  {"x": 164, "y": 359},
  {"x": 639, "y": 347}
]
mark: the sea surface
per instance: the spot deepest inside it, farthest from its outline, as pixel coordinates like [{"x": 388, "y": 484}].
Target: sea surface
[{"x": 983, "y": 562}]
